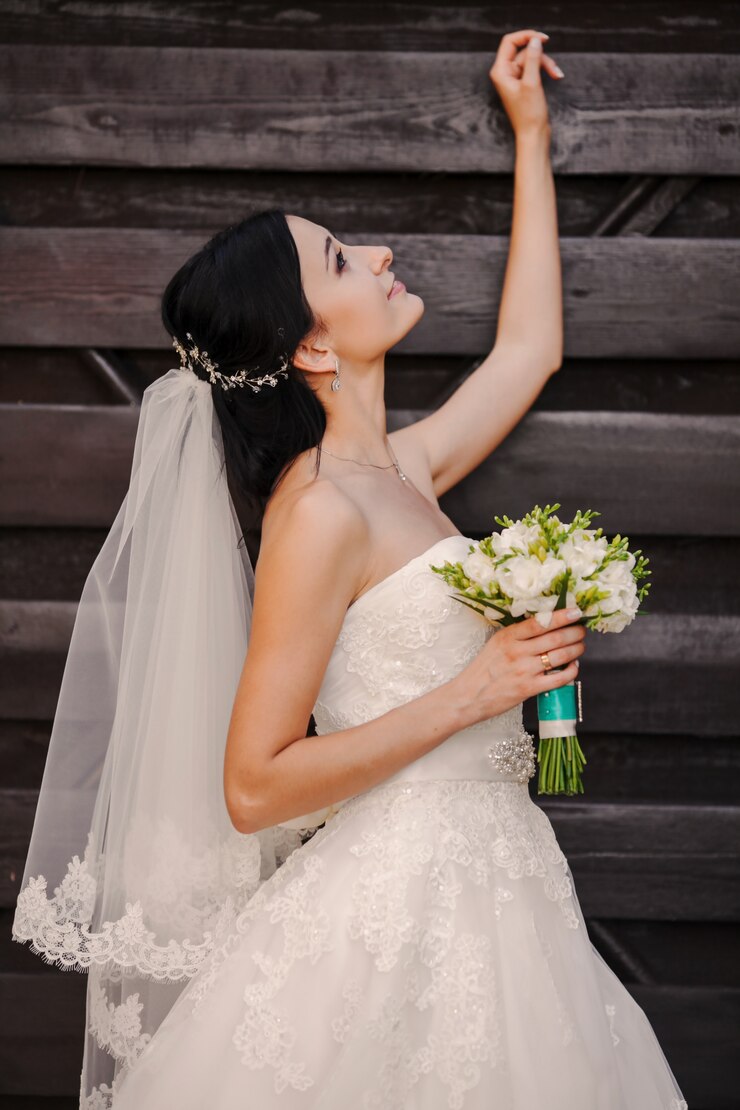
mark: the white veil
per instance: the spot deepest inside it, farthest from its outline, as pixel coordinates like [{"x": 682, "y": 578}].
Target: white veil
[{"x": 134, "y": 868}]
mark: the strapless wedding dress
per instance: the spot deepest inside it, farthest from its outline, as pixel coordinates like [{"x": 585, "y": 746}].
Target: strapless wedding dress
[{"x": 425, "y": 948}]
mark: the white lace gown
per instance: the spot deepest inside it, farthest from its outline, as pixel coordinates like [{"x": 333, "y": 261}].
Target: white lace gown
[{"x": 425, "y": 949}]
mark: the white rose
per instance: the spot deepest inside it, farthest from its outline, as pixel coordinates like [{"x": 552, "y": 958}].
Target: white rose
[
  {"x": 582, "y": 552},
  {"x": 479, "y": 569}
]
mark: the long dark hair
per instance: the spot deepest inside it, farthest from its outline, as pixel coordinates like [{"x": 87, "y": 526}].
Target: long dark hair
[{"x": 240, "y": 297}]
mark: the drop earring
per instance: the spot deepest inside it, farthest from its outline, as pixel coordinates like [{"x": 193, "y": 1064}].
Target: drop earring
[{"x": 336, "y": 384}]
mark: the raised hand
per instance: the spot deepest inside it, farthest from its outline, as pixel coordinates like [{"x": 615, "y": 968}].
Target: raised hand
[{"x": 516, "y": 76}]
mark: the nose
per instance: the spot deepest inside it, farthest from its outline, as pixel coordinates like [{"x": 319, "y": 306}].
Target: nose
[{"x": 382, "y": 258}]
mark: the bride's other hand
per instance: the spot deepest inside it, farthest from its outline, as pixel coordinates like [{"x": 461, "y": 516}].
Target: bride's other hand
[
  {"x": 516, "y": 76},
  {"x": 508, "y": 668}
]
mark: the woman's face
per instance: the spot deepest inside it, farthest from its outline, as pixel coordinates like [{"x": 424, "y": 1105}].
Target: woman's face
[{"x": 348, "y": 288}]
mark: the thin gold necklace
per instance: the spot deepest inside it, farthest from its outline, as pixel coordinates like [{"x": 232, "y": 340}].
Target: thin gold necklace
[{"x": 392, "y": 453}]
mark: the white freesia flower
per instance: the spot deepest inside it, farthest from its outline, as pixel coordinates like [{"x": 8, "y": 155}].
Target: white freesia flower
[
  {"x": 479, "y": 568},
  {"x": 615, "y": 622},
  {"x": 583, "y": 552},
  {"x": 524, "y": 578},
  {"x": 517, "y": 537},
  {"x": 616, "y": 578},
  {"x": 540, "y": 607}
]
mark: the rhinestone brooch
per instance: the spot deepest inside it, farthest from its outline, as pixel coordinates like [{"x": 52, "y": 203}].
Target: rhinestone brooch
[{"x": 514, "y": 755}]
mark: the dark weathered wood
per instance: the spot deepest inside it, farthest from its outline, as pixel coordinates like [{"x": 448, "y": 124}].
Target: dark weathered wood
[
  {"x": 42, "y": 1038},
  {"x": 696, "y": 1028},
  {"x": 635, "y": 860},
  {"x": 684, "y": 467},
  {"x": 644, "y": 204},
  {"x": 113, "y": 374},
  {"x": 649, "y": 660},
  {"x": 468, "y": 204},
  {"x": 641, "y": 113},
  {"x": 47, "y": 375},
  {"x": 663, "y": 26},
  {"x": 656, "y": 208},
  {"x": 623, "y": 297},
  {"x": 605, "y": 457},
  {"x": 622, "y": 767},
  {"x": 53, "y": 563}
]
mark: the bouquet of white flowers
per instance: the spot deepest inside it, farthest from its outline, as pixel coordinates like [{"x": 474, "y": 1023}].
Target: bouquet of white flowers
[{"x": 532, "y": 567}]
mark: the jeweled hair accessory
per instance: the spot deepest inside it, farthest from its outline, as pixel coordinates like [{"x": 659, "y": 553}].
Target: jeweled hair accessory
[{"x": 226, "y": 381}]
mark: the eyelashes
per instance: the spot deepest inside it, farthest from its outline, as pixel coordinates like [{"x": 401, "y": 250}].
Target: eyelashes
[{"x": 339, "y": 256}]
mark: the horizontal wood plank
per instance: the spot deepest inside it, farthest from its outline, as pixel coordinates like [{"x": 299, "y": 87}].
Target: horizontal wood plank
[
  {"x": 622, "y": 767},
  {"x": 52, "y": 564},
  {"x": 661, "y": 26},
  {"x": 666, "y": 662},
  {"x": 629, "y": 297},
  {"x": 361, "y": 109},
  {"x": 410, "y": 203},
  {"x": 648, "y": 473}
]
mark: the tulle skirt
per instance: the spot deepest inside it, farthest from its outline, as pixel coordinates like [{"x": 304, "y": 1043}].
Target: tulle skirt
[{"x": 424, "y": 950}]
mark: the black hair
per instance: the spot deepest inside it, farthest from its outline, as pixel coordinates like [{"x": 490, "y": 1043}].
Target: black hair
[{"x": 241, "y": 298}]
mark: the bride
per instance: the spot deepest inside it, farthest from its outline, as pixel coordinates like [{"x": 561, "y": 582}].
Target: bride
[{"x": 376, "y": 916}]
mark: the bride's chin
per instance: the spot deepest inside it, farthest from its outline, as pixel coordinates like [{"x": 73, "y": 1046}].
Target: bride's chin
[{"x": 419, "y": 307}]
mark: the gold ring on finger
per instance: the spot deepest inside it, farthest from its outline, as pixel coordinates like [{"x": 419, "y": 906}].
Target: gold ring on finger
[{"x": 546, "y": 661}]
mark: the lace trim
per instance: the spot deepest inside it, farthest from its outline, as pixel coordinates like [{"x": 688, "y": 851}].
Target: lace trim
[
  {"x": 102, "y": 1097},
  {"x": 59, "y": 929},
  {"x": 117, "y": 1027}
]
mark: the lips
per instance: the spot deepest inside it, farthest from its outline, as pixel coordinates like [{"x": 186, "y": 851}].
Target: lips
[{"x": 397, "y": 287}]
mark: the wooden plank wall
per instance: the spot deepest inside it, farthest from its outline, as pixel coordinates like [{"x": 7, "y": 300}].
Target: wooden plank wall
[{"x": 380, "y": 121}]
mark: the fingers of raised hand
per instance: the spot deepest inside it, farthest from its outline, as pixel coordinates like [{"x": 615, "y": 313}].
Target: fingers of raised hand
[
  {"x": 510, "y": 44},
  {"x": 510, "y": 64}
]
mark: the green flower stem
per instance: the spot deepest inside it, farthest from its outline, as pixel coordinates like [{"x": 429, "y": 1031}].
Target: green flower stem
[{"x": 561, "y": 761}]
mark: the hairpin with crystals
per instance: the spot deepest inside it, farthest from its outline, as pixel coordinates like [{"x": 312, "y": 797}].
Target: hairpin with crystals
[{"x": 226, "y": 381}]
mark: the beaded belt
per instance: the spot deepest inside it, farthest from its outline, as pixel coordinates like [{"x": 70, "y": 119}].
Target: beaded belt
[
  {"x": 475, "y": 753},
  {"x": 468, "y": 754}
]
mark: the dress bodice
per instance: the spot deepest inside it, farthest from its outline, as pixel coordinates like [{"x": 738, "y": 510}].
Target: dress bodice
[{"x": 400, "y": 639}]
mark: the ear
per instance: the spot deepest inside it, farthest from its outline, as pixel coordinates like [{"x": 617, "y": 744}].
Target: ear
[{"x": 313, "y": 358}]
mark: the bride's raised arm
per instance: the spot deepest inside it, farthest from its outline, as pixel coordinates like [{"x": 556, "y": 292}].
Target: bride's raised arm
[{"x": 528, "y": 348}]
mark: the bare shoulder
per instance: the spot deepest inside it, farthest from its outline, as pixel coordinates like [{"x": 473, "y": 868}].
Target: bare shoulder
[{"x": 318, "y": 534}]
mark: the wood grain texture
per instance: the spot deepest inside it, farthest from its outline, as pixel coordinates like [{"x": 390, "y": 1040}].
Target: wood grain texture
[
  {"x": 663, "y": 26},
  {"x": 410, "y": 203},
  {"x": 648, "y": 659},
  {"x": 623, "y": 297},
  {"x": 359, "y": 110},
  {"x": 650, "y": 473}
]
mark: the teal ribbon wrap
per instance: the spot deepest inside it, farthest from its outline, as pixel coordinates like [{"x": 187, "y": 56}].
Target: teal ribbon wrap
[{"x": 557, "y": 712}]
